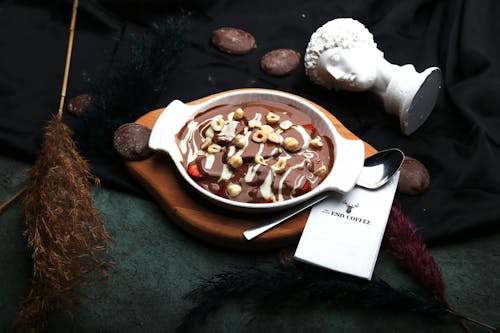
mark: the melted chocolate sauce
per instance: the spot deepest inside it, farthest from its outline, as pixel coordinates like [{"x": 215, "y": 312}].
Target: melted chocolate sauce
[{"x": 265, "y": 180}]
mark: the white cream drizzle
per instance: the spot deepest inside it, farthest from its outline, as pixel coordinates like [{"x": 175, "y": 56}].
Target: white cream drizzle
[
  {"x": 251, "y": 172},
  {"x": 247, "y": 134},
  {"x": 229, "y": 130},
  {"x": 302, "y": 164},
  {"x": 209, "y": 161},
  {"x": 252, "y": 169},
  {"x": 257, "y": 117},
  {"x": 280, "y": 185},
  {"x": 309, "y": 154},
  {"x": 297, "y": 183},
  {"x": 306, "y": 138},
  {"x": 205, "y": 126},
  {"x": 187, "y": 144},
  {"x": 188, "y": 137},
  {"x": 226, "y": 174},
  {"x": 312, "y": 178},
  {"x": 265, "y": 188},
  {"x": 231, "y": 151},
  {"x": 261, "y": 148}
]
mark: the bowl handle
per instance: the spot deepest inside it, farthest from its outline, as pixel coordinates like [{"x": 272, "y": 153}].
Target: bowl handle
[
  {"x": 348, "y": 164},
  {"x": 168, "y": 124}
]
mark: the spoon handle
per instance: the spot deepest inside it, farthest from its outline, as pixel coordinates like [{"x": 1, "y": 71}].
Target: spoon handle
[{"x": 278, "y": 219}]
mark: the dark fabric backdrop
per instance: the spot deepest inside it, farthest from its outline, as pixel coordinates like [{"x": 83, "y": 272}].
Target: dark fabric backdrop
[{"x": 459, "y": 144}]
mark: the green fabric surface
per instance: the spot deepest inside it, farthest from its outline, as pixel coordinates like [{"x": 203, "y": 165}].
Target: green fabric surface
[{"x": 156, "y": 264}]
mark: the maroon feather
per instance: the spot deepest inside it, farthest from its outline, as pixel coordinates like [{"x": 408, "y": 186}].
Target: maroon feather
[{"x": 410, "y": 252}]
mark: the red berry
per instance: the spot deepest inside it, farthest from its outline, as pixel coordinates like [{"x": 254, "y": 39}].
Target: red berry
[
  {"x": 309, "y": 127},
  {"x": 304, "y": 189},
  {"x": 193, "y": 171},
  {"x": 222, "y": 191}
]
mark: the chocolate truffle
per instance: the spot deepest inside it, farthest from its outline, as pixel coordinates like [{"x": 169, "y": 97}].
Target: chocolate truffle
[
  {"x": 233, "y": 41},
  {"x": 78, "y": 105},
  {"x": 414, "y": 178},
  {"x": 280, "y": 62},
  {"x": 131, "y": 141}
]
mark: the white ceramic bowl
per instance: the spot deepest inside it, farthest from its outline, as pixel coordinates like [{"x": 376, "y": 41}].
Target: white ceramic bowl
[{"x": 348, "y": 154}]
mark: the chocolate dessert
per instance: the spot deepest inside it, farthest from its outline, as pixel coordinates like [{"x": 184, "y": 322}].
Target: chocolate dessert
[{"x": 255, "y": 152}]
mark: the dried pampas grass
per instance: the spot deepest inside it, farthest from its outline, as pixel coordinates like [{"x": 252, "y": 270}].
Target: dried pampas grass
[{"x": 64, "y": 229}]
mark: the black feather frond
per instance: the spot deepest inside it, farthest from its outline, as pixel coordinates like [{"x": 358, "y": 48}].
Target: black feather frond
[
  {"x": 132, "y": 85},
  {"x": 302, "y": 285}
]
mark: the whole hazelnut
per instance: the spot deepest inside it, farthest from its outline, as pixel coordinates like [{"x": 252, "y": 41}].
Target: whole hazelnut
[
  {"x": 291, "y": 144},
  {"x": 233, "y": 189}
]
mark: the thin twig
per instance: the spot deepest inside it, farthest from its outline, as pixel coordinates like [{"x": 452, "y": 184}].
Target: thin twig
[
  {"x": 12, "y": 199},
  {"x": 477, "y": 322},
  {"x": 68, "y": 57},
  {"x": 460, "y": 318},
  {"x": 63, "y": 89}
]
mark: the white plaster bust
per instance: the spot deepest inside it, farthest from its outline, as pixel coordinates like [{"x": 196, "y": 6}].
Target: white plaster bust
[{"x": 342, "y": 55}]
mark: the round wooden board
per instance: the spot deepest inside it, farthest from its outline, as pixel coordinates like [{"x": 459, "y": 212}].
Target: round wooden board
[{"x": 203, "y": 219}]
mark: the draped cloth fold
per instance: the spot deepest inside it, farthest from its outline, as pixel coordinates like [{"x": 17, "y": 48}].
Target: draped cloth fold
[{"x": 459, "y": 143}]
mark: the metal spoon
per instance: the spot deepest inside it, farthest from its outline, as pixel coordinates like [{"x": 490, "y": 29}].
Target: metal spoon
[{"x": 378, "y": 169}]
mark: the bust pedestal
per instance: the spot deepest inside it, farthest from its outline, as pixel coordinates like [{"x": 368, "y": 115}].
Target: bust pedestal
[
  {"x": 342, "y": 54},
  {"x": 411, "y": 96}
]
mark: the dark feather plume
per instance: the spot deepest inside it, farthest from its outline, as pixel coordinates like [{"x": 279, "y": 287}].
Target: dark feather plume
[
  {"x": 298, "y": 285},
  {"x": 410, "y": 252},
  {"x": 132, "y": 86}
]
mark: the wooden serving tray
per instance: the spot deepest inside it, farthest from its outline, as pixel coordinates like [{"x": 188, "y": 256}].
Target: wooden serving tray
[{"x": 205, "y": 220}]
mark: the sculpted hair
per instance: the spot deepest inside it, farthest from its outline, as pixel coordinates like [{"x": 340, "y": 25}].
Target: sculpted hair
[{"x": 344, "y": 33}]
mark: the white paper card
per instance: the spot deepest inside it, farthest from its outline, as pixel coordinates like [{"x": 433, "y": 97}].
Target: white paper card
[{"x": 344, "y": 232}]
